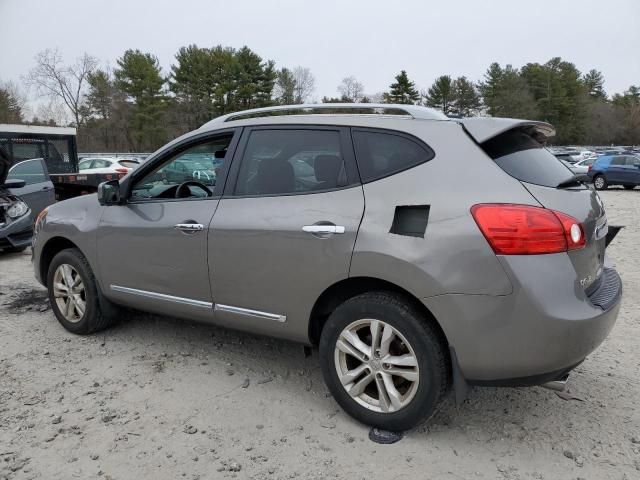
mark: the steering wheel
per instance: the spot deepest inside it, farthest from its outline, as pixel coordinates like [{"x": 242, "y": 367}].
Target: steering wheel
[{"x": 183, "y": 192}]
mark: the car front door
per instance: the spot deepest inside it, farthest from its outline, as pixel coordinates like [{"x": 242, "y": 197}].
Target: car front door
[
  {"x": 285, "y": 228},
  {"x": 152, "y": 249},
  {"x": 38, "y": 191}
]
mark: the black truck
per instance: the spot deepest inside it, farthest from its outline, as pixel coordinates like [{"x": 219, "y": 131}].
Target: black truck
[{"x": 57, "y": 147}]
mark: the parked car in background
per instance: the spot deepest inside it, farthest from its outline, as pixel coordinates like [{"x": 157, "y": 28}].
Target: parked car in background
[
  {"x": 25, "y": 190},
  {"x": 107, "y": 165},
  {"x": 503, "y": 283},
  {"x": 615, "y": 170}
]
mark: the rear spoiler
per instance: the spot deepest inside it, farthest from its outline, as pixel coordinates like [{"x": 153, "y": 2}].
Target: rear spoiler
[{"x": 482, "y": 129}]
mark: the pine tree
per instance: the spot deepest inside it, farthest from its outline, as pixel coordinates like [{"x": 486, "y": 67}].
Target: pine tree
[
  {"x": 285, "y": 87},
  {"x": 440, "y": 94},
  {"x": 402, "y": 91},
  {"x": 491, "y": 88},
  {"x": 10, "y": 109},
  {"x": 594, "y": 83},
  {"x": 506, "y": 94},
  {"x": 140, "y": 78},
  {"x": 466, "y": 101}
]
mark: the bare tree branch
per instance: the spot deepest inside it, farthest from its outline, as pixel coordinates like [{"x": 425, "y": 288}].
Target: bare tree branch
[{"x": 67, "y": 83}]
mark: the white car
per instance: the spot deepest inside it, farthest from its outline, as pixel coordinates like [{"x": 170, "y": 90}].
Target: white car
[
  {"x": 107, "y": 165},
  {"x": 583, "y": 165}
]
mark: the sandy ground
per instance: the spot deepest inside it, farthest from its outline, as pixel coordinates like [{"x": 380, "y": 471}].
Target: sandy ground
[{"x": 164, "y": 399}]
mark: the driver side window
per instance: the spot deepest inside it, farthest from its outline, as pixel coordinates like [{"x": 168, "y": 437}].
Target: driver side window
[{"x": 191, "y": 173}]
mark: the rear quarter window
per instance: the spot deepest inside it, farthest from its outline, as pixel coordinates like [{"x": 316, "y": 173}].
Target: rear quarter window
[
  {"x": 520, "y": 155},
  {"x": 380, "y": 154}
]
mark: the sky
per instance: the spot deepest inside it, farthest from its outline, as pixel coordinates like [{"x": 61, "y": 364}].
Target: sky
[{"x": 372, "y": 40}]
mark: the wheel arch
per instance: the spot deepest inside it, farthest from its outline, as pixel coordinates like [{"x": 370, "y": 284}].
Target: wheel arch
[
  {"x": 51, "y": 248},
  {"x": 350, "y": 287}
]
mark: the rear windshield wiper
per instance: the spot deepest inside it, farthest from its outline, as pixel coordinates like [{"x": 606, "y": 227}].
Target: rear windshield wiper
[{"x": 570, "y": 182}]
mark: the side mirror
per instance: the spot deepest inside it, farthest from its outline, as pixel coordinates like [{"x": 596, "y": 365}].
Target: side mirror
[
  {"x": 14, "y": 183},
  {"x": 109, "y": 193}
]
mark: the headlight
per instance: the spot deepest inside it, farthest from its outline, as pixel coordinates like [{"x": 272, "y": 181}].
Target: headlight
[{"x": 17, "y": 209}]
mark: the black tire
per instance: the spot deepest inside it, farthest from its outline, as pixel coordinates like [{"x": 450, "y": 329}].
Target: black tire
[
  {"x": 603, "y": 185},
  {"x": 629, "y": 187},
  {"x": 99, "y": 312},
  {"x": 399, "y": 313},
  {"x": 14, "y": 249}
]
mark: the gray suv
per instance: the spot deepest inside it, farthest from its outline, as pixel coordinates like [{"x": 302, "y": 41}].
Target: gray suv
[{"x": 417, "y": 252}]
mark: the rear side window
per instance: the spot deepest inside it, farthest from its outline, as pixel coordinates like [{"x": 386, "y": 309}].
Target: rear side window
[
  {"x": 520, "y": 155},
  {"x": 633, "y": 160},
  {"x": 284, "y": 162},
  {"x": 381, "y": 154},
  {"x": 31, "y": 171},
  {"x": 618, "y": 161}
]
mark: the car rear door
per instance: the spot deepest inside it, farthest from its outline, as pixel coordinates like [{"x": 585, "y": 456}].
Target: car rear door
[
  {"x": 616, "y": 172},
  {"x": 632, "y": 170},
  {"x": 285, "y": 228},
  {"x": 38, "y": 191}
]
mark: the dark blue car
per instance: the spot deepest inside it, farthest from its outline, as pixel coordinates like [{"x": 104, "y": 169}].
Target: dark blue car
[{"x": 615, "y": 170}]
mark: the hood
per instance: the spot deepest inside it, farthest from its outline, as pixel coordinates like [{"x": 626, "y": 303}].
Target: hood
[{"x": 485, "y": 128}]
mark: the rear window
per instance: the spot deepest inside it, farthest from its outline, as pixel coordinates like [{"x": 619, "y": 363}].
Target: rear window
[
  {"x": 520, "y": 155},
  {"x": 129, "y": 163}
]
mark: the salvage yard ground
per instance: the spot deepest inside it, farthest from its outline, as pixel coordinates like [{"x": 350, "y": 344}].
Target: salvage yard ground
[{"x": 164, "y": 399}]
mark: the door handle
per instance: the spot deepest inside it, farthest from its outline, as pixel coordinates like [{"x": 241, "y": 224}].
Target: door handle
[
  {"x": 189, "y": 227},
  {"x": 323, "y": 229}
]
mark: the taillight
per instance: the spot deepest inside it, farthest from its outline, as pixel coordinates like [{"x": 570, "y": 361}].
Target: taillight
[
  {"x": 526, "y": 230},
  {"x": 590, "y": 167},
  {"x": 122, "y": 170}
]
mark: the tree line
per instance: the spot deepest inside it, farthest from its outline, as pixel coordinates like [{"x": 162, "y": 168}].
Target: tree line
[{"x": 136, "y": 107}]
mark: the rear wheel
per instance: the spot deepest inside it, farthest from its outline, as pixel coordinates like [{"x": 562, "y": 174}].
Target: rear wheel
[
  {"x": 383, "y": 362},
  {"x": 600, "y": 182},
  {"x": 74, "y": 296}
]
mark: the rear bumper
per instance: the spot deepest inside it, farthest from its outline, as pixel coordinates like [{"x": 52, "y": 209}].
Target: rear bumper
[
  {"x": 17, "y": 234},
  {"x": 546, "y": 327}
]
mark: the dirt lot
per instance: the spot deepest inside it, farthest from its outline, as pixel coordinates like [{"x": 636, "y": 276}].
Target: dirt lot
[{"x": 160, "y": 398}]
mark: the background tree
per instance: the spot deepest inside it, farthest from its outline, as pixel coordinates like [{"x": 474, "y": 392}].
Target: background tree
[
  {"x": 351, "y": 89},
  {"x": 140, "y": 78},
  {"x": 304, "y": 84},
  {"x": 466, "y": 100},
  {"x": 402, "y": 91},
  {"x": 440, "y": 94},
  {"x": 254, "y": 80},
  {"x": 11, "y": 104},
  {"x": 594, "y": 84},
  {"x": 52, "y": 78},
  {"x": 285, "y": 87},
  {"x": 506, "y": 94}
]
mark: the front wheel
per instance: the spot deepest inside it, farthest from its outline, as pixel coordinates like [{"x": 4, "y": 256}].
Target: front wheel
[
  {"x": 600, "y": 182},
  {"x": 74, "y": 296},
  {"x": 383, "y": 361}
]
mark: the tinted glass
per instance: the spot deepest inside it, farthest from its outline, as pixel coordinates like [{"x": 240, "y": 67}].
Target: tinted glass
[
  {"x": 618, "y": 161},
  {"x": 30, "y": 171},
  {"x": 84, "y": 165},
  {"x": 277, "y": 162},
  {"x": 26, "y": 151},
  {"x": 201, "y": 164},
  {"x": 524, "y": 158},
  {"x": 381, "y": 154},
  {"x": 631, "y": 160}
]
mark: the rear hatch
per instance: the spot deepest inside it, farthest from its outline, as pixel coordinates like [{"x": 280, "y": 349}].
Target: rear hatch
[{"x": 517, "y": 148}]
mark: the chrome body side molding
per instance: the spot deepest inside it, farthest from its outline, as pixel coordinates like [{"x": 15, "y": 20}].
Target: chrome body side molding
[
  {"x": 251, "y": 313},
  {"x": 162, "y": 296}
]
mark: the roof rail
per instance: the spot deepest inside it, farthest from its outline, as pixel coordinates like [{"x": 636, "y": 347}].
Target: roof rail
[{"x": 414, "y": 111}]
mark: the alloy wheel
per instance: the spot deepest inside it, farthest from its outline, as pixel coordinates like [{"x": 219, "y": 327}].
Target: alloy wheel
[
  {"x": 69, "y": 293},
  {"x": 376, "y": 365},
  {"x": 599, "y": 183}
]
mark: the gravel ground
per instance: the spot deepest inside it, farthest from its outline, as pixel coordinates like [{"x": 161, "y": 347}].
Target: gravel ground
[{"x": 160, "y": 398}]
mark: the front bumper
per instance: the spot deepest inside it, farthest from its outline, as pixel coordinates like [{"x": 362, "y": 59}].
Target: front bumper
[
  {"x": 17, "y": 234},
  {"x": 546, "y": 327}
]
